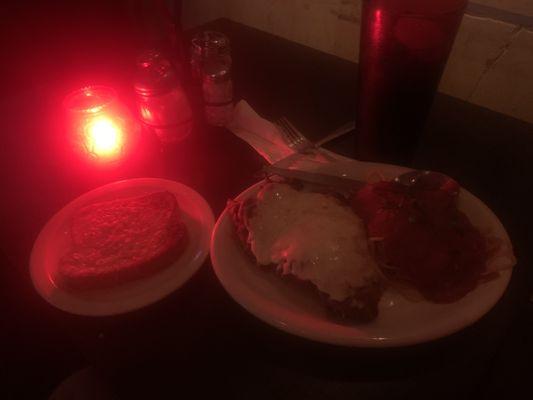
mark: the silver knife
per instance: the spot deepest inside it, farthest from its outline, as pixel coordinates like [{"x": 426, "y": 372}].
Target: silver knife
[
  {"x": 341, "y": 130},
  {"x": 333, "y": 181}
]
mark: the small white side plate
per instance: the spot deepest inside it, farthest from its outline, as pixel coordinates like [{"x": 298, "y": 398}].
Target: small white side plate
[{"x": 53, "y": 240}]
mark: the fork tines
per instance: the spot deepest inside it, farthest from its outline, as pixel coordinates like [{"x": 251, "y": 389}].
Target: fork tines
[{"x": 293, "y": 138}]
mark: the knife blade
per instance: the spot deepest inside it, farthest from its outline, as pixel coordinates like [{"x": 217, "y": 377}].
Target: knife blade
[
  {"x": 332, "y": 181},
  {"x": 341, "y": 130}
]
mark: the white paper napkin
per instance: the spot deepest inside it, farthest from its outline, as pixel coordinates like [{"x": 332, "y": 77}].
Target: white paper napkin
[
  {"x": 267, "y": 140},
  {"x": 259, "y": 133}
]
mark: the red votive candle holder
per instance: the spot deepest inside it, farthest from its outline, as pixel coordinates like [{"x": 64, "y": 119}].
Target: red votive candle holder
[{"x": 99, "y": 127}]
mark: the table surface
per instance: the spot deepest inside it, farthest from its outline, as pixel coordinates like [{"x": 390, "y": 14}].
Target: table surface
[{"x": 197, "y": 340}]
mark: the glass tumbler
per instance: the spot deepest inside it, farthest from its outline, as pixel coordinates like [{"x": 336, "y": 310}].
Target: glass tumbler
[{"x": 404, "y": 48}]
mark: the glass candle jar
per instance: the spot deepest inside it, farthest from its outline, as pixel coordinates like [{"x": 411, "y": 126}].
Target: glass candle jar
[{"x": 98, "y": 125}]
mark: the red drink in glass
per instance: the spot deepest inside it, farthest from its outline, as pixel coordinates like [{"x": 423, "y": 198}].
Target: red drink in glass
[{"x": 404, "y": 48}]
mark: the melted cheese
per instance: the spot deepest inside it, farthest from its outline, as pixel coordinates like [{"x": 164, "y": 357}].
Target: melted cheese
[{"x": 311, "y": 236}]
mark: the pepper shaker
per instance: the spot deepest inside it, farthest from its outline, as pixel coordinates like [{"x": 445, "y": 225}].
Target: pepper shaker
[
  {"x": 211, "y": 69},
  {"x": 161, "y": 100}
]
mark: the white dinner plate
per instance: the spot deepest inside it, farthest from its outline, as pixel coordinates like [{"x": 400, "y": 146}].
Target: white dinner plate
[
  {"x": 54, "y": 240},
  {"x": 400, "y": 322}
]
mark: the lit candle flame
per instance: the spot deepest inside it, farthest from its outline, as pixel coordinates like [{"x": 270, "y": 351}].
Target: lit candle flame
[{"x": 104, "y": 138}]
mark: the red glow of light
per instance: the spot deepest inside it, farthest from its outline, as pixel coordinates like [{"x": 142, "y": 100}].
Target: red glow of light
[
  {"x": 377, "y": 27},
  {"x": 104, "y": 138},
  {"x": 146, "y": 114},
  {"x": 94, "y": 110}
]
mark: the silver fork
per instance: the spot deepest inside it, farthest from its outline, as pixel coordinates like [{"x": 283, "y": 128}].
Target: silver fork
[{"x": 294, "y": 139}]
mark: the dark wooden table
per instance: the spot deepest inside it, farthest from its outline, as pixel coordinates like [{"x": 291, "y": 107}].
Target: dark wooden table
[{"x": 199, "y": 342}]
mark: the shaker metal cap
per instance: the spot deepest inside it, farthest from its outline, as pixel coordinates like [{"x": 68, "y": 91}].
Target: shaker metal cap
[
  {"x": 154, "y": 74},
  {"x": 211, "y": 42}
]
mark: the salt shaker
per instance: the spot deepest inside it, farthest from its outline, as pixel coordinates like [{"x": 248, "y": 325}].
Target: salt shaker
[
  {"x": 162, "y": 102},
  {"x": 211, "y": 67}
]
